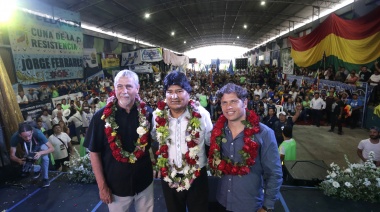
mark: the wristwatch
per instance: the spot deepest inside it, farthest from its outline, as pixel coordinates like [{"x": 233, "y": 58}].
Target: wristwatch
[{"x": 268, "y": 209}]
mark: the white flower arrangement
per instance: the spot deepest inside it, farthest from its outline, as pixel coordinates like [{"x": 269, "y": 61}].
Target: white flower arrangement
[
  {"x": 356, "y": 182},
  {"x": 80, "y": 169}
]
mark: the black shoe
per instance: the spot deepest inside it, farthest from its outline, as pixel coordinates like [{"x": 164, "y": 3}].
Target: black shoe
[
  {"x": 45, "y": 183},
  {"x": 340, "y": 133},
  {"x": 331, "y": 131}
]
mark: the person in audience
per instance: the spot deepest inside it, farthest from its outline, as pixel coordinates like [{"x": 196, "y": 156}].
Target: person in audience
[
  {"x": 64, "y": 105},
  {"x": 86, "y": 118},
  {"x": 31, "y": 95},
  {"x": 22, "y": 99},
  {"x": 374, "y": 81},
  {"x": 59, "y": 118},
  {"x": 64, "y": 127},
  {"x": 371, "y": 144},
  {"x": 337, "y": 116},
  {"x": 352, "y": 78},
  {"x": 76, "y": 119},
  {"x": 271, "y": 118},
  {"x": 46, "y": 118},
  {"x": 287, "y": 149},
  {"x": 62, "y": 147},
  {"x": 317, "y": 105},
  {"x": 364, "y": 74},
  {"x": 58, "y": 107},
  {"x": 285, "y": 121},
  {"x": 356, "y": 106}
]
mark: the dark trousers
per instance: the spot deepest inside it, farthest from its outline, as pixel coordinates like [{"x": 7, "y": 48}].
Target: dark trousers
[
  {"x": 195, "y": 199},
  {"x": 316, "y": 114},
  {"x": 336, "y": 121},
  {"x": 354, "y": 119}
]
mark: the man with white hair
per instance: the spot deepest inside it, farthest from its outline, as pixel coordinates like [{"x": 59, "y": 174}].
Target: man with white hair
[{"x": 118, "y": 139}]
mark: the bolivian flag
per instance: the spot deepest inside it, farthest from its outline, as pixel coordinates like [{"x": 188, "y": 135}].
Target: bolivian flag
[{"x": 347, "y": 43}]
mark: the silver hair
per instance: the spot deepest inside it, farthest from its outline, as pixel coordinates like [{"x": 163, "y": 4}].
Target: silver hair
[{"x": 126, "y": 73}]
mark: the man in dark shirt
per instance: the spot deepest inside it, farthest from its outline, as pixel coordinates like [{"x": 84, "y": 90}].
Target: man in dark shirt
[
  {"x": 123, "y": 172},
  {"x": 364, "y": 74},
  {"x": 285, "y": 121},
  {"x": 337, "y": 115}
]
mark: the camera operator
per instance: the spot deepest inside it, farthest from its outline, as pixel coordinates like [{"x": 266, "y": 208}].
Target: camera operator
[{"x": 36, "y": 146}]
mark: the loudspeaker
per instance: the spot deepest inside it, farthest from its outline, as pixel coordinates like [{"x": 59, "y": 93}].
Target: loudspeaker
[{"x": 304, "y": 172}]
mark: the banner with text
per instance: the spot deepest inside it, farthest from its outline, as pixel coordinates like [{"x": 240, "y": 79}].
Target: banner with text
[
  {"x": 89, "y": 58},
  {"x": 131, "y": 58},
  {"x": 151, "y": 55},
  {"x": 45, "y": 48}
]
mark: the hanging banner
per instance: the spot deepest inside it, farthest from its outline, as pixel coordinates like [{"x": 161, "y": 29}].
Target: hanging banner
[
  {"x": 287, "y": 61},
  {"x": 266, "y": 58},
  {"x": 34, "y": 110},
  {"x": 151, "y": 55},
  {"x": 111, "y": 62},
  {"x": 131, "y": 58},
  {"x": 89, "y": 58},
  {"x": 45, "y": 48},
  {"x": 146, "y": 68}
]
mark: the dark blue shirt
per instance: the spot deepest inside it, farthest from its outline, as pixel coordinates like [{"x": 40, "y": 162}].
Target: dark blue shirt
[{"x": 245, "y": 193}]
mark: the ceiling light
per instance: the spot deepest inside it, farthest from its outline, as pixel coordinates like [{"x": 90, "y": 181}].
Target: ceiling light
[
  {"x": 147, "y": 15},
  {"x": 262, "y": 3},
  {"x": 173, "y": 33},
  {"x": 245, "y": 26},
  {"x": 184, "y": 41},
  {"x": 233, "y": 43},
  {"x": 237, "y": 37}
]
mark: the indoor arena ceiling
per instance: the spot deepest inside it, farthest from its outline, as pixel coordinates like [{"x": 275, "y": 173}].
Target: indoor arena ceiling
[{"x": 195, "y": 23}]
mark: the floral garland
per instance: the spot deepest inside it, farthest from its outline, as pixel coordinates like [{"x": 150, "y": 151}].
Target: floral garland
[
  {"x": 219, "y": 165},
  {"x": 114, "y": 139},
  {"x": 190, "y": 166}
]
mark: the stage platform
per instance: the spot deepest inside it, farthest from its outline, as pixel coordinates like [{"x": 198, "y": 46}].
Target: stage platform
[{"x": 63, "y": 195}]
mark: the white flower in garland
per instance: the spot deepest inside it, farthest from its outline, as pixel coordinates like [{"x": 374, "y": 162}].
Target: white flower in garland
[
  {"x": 193, "y": 152},
  {"x": 366, "y": 182},
  {"x": 188, "y": 138},
  {"x": 348, "y": 184},
  {"x": 336, "y": 184},
  {"x": 141, "y": 131}
]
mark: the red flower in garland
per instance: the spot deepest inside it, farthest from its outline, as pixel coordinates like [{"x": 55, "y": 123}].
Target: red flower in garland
[
  {"x": 108, "y": 111},
  {"x": 164, "y": 171},
  {"x": 142, "y": 104},
  {"x": 160, "y": 121},
  {"x": 161, "y": 105},
  {"x": 197, "y": 115},
  {"x": 139, "y": 153},
  {"x": 108, "y": 131},
  {"x": 197, "y": 173},
  {"x": 144, "y": 139},
  {"x": 249, "y": 148}
]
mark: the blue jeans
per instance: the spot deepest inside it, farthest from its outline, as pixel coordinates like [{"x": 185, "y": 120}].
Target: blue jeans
[{"x": 44, "y": 162}]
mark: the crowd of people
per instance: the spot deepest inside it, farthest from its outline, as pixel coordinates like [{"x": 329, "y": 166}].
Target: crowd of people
[{"x": 191, "y": 119}]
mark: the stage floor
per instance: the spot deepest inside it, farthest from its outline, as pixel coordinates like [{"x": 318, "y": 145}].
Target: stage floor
[{"x": 62, "y": 195}]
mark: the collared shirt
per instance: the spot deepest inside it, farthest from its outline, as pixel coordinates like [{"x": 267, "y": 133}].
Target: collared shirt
[
  {"x": 245, "y": 193},
  {"x": 124, "y": 179},
  {"x": 178, "y": 145},
  {"x": 317, "y": 104}
]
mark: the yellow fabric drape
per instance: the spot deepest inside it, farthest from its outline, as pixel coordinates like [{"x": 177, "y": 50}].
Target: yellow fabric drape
[{"x": 351, "y": 51}]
